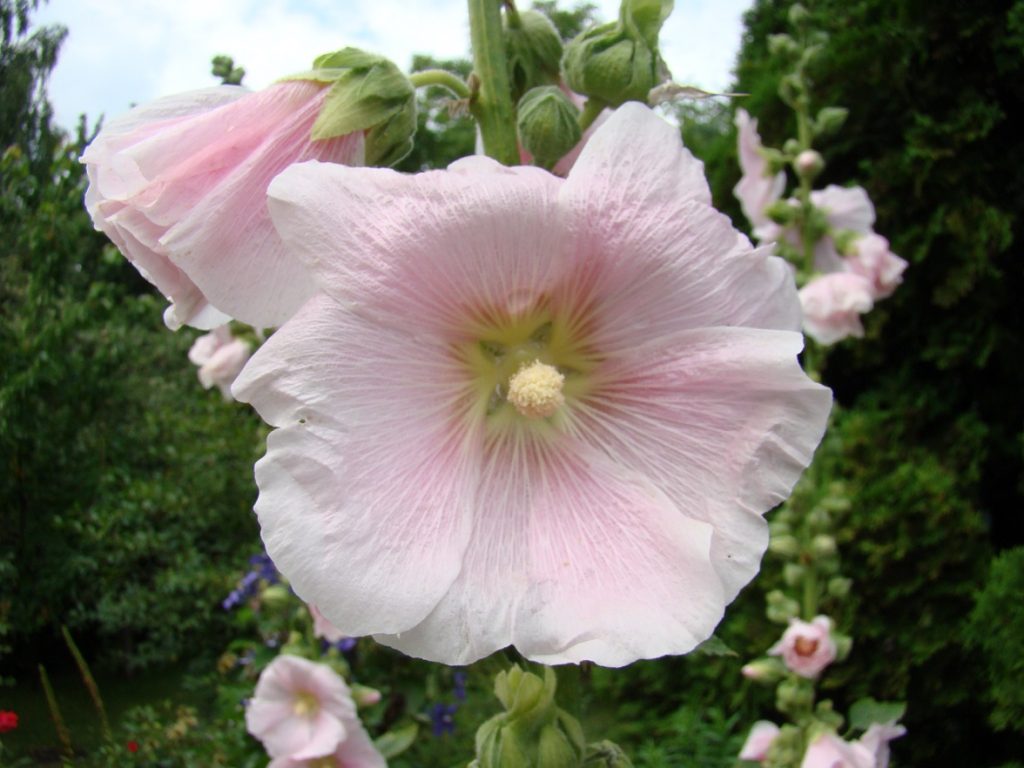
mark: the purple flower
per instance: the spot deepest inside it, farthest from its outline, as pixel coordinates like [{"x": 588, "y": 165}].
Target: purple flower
[
  {"x": 459, "y": 678},
  {"x": 442, "y": 718},
  {"x": 262, "y": 570}
]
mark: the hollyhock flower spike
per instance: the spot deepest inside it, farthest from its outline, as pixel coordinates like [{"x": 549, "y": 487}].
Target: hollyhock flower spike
[
  {"x": 761, "y": 736},
  {"x": 526, "y": 410},
  {"x": 757, "y": 188},
  {"x": 807, "y": 647},
  {"x": 179, "y": 185},
  {"x": 300, "y": 710},
  {"x": 832, "y": 306},
  {"x": 220, "y": 357}
]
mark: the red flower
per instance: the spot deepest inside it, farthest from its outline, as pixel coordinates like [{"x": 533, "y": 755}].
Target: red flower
[
  {"x": 133, "y": 746},
  {"x": 8, "y": 720}
]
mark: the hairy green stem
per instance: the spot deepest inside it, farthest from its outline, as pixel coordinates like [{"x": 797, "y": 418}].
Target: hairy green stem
[
  {"x": 591, "y": 110},
  {"x": 63, "y": 734},
  {"x": 492, "y": 105},
  {"x": 440, "y": 77},
  {"x": 90, "y": 684}
]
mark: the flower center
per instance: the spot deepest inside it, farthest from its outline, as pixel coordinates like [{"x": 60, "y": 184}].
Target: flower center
[
  {"x": 536, "y": 390},
  {"x": 306, "y": 705},
  {"x": 805, "y": 646},
  {"x": 322, "y": 762}
]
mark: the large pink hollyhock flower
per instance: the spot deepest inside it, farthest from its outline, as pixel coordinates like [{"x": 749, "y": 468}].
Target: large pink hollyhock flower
[
  {"x": 220, "y": 357},
  {"x": 180, "y": 186},
  {"x": 300, "y": 709},
  {"x": 832, "y": 306},
  {"x": 757, "y": 188},
  {"x": 529, "y": 410},
  {"x": 873, "y": 260},
  {"x": 827, "y": 750},
  {"x": 761, "y": 736},
  {"x": 876, "y": 740},
  {"x": 806, "y": 647}
]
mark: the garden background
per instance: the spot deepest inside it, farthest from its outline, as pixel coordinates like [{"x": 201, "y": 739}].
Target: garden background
[{"x": 126, "y": 491}]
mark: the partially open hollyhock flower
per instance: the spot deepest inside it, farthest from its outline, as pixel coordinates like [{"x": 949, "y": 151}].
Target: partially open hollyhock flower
[
  {"x": 301, "y": 709},
  {"x": 833, "y": 304},
  {"x": 876, "y": 740},
  {"x": 807, "y": 647},
  {"x": 528, "y": 410},
  {"x": 872, "y": 259},
  {"x": 180, "y": 186},
  {"x": 827, "y": 750},
  {"x": 220, "y": 357},
  {"x": 757, "y": 188},
  {"x": 761, "y": 736},
  {"x": 846, "y": 209}
]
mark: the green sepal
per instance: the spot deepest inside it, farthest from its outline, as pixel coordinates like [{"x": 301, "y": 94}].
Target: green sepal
[
  {"x": 865, "y": 712},
  {"x": 547, "y": 124},
  {"x": 534, "y": 51},
  {"x": 367, "y": 93}
]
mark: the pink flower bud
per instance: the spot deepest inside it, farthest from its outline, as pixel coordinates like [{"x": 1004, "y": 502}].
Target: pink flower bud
[
  {"x": 758, "y": 742},
  {"x": 809, "y": 163}
]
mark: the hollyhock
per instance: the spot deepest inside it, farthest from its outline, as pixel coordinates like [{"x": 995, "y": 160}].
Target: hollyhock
[
  {"x": 356, "y": 751},
  {"x": 846, "y": 209},
  {"x": 301, "y": 709},
  {"x": 761, "y": 736},
  {"x": 323, "y": 628},
  {"x": 220, "y": 357},
  {"x": 529, "y": 410},
  {"x": 180, "y": 186},
  {"x": 876, "y": 740},
  {"x": 832, "y": 306},
  {"x": 827, "y": 750},
  {"x": 757, "y": 188},
  {"x": 806, "y": 647},
  {"x": 872, "y": 259}
]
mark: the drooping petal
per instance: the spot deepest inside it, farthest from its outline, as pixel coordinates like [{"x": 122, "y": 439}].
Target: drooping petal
[
  {"x": 489, "y": 229},
  {"x": 722, "y": 420},
  {"x": 846, "y": 207},
  {"x": 366, "y": 488},
  {"x": 570, "y": 555},
  {"x": 756, "y": 189}
]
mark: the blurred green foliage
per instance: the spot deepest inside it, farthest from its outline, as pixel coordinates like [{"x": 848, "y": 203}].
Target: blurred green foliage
[{"x": 125, "y": 490}]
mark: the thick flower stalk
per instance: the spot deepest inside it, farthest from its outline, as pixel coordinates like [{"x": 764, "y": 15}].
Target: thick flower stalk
[
  {"x": 526, "y": 410},
  {"x": 304, "y": 714}
]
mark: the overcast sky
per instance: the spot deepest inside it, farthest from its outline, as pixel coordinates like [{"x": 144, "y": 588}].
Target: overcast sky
[{"x": 121, "y": 52}]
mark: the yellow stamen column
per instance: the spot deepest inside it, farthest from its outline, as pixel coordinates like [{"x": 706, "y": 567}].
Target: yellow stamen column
[{"x": 536, "y": 390}]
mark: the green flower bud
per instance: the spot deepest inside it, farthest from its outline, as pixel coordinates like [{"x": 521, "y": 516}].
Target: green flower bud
[
  {"x": 830, "y": 120},
  {"x": 791, "y": 147},
  {"x": 798, "y": 15},
  {"x": 778, "y": 528},
  {"x": 846, "y": 241},
  {"x": 839, "y": 586},
  {"x": 819, "y": 520},
  {"x": 823, "y": 545},
  {"x": 768, "y": 670},
  {"x": 826, "y": 714},
  {"x": 809, "y": 164},
  {"x": 619, "y": 61},
  {"x": 532, "y": 731},
  {"x": 844, "y": 644},
  {"x": 780, "y": 608},
  {"x": 534, "y": 50},
  {"x": 275, "y": 596},
  {"x": 548, "y": 124},
  {"x": 786, "y": 546},
  {"x": 783, "y": 45},
  {"x": 786, "y": 750},
  {"x": 367, "y": 93},
  {"x": 606, "y": 754},
  {"x": 793, "y": 574},
  {"x": 794, "y": 695}
]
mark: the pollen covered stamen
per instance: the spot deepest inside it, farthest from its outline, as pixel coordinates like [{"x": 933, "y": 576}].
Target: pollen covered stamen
[
  {"x": 305, "y": 705},
  {"x": 536, "y": 390}
]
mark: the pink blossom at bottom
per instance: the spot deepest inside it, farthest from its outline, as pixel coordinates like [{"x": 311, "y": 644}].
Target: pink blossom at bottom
[
  {"x": 872, "y": 260},
  {"x": 356, "y": 751},
  {"x": 829, "y": 751},
  {"x": 761, "y": 736},
  {"x": 405, "y": 496},
  {"x": 300, "y": 709},
  {"x": 220, "y": 357},
  {"x": 832, "y": 306},
  {"x": 806, "y": 647}
]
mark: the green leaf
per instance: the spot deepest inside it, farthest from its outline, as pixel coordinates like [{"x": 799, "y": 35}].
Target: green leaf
[
  {"x": 714, "y": 646},
  {"x": 867, "y": 711},
  {"x": 397, "y": 740}
]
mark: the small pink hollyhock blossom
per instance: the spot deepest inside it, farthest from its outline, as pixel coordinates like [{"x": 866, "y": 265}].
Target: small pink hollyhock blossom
[
  {"x": 220, "y": 357},
  {"x": 761, "y": 736},
  {"x": 846, "y": 209},
  {"x": 806, "y": 648},
  {"x": 529, "y": 410},
  {"x": 757, "y": 189},
  {"x": 873, "y": 260},
  {"x": 180, "y": 186},
  {"x": 876, "y": 740},
  {"x": 300, "y": 709},
  {"x": 827, "y": 750},
  {"x": 323, "y": 628},
  {"x": 832, "y": 306}
]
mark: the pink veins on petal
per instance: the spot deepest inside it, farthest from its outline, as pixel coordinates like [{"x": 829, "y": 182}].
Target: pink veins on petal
[{"x": 606, "y": 507}]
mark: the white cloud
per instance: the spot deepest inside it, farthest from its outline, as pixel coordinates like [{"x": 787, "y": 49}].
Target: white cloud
[{"x": 121, "y": 52}]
